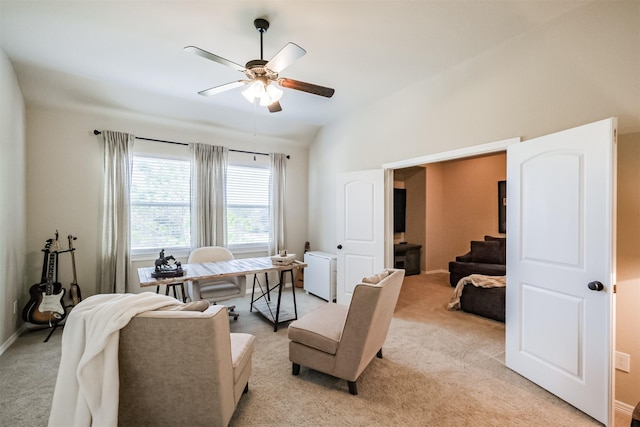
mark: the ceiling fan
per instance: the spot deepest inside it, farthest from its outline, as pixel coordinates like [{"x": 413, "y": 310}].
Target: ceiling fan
[{"x": 262, "y": 75}]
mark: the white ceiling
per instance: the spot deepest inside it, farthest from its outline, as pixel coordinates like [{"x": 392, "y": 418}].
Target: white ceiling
[{"x": 129, "y": 55}]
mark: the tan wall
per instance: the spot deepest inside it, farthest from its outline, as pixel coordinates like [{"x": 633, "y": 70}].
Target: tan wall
[
  {"x": 464, "y": 205},
  {"x": 435, "y": 234},
  {"x": 628, "y": 266},
  {"x": 416, "y": 194},
  {"x": 414, "y": 181}
]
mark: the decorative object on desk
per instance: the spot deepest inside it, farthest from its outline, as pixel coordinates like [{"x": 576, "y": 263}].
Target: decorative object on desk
[
  {"x": 286, "y": 259},
  {"x": 164, "y": 269},
  {"x": 45, "y": 306}
]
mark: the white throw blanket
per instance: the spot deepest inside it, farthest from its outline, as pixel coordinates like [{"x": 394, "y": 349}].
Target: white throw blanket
[
  {"x": 88, "y": 384},
  {"x": 478, "y": 280}
]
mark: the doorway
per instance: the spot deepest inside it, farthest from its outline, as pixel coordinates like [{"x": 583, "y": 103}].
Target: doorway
[
  {"x": 449, "y": 204},
  {"x": 577, "y": 162}
]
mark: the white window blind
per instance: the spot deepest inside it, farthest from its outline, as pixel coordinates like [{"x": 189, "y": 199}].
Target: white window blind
[
  {"x": 248, "y": 206},
  {"x": 160, "y": 207}
]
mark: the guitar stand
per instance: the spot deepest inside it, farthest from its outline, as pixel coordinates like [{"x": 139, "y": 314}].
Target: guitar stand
[
  {"x": 56, "y": 325},
  {"x": 53, "y": 329}
]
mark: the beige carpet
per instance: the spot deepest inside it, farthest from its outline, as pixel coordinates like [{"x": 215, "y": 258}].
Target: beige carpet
[{"x": 440, "y": 368}]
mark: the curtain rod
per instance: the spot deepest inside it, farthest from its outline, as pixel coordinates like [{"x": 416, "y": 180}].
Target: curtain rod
[{"x": 97, "y": 132}]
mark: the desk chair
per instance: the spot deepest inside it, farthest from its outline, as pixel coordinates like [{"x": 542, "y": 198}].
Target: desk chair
[{"x": 215, "y": 290}]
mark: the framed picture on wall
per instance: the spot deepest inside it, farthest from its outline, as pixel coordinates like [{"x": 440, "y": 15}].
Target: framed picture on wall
[{"x": 502, "y": 206}]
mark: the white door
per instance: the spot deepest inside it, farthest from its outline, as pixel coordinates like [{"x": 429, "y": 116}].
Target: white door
[
  {"x": 561, "y": 231},
  {"x": 360, "y": 228}
]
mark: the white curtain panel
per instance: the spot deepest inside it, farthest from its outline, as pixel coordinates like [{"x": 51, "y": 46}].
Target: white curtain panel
[
  {"x": 209, "y": 194},
  {"x": 278, "y": 190},
  {"x": 115, "y": 221}
]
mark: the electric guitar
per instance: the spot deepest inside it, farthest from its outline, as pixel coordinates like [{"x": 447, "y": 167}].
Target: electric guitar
[
  {"x": 74, "y": 289},
  {"x": 45, "y": 306}
]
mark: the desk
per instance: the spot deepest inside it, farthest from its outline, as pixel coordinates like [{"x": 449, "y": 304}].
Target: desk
[{"x": 237, "y": 267}]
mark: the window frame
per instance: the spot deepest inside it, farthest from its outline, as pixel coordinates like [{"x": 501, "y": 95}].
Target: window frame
[
  {"x": 151, "y": 253},
  {"x": 250, "y": 247},
  {"x": 180, "y": 153}
]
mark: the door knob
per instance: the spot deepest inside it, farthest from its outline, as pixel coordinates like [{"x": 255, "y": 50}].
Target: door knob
[
  {"x": 339, "y": 246},
  {"x": 595, "y": 286}
]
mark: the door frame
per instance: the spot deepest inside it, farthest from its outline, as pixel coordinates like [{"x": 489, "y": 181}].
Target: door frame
[{"x": 460, "y": 153}]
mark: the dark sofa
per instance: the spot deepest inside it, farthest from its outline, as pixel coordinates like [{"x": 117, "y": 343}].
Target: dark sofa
[
  {"x": 488, "y": 257},
  {"x": 485, "y": 302}
]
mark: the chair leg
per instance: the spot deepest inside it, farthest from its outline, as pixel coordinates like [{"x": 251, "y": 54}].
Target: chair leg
[
  {"x": 246, "y": 389},
  {"x": 295, "y": 369},
  {"x": 379, "y": 354},
  {"x": 353, "y": 388},
  {"x": 231, "y": 309}
]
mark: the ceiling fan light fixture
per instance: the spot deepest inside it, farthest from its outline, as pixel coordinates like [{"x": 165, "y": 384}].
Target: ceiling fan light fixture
[
  {"x": 274, "y": 92},
  {"x": 254, "y": 90},
  {"x": 267, "y": 95},
  {"x": 265, "y": 100}
]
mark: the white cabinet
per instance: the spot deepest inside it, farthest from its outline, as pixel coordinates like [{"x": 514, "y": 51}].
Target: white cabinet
[{"x": 320, "y": 275}]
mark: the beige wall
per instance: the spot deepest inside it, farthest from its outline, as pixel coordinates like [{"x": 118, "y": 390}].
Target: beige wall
[
  {"x": 64, "y": 182},
  {"x": 628, "y": 266},
  {"x": 12, "y": 202},
  {"x": 580, "y": 68}
]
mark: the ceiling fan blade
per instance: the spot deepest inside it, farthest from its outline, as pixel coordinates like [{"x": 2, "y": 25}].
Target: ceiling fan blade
[
  {"x": 287, "y": 56},
  {"x": 307, "y": 87},
  {"x": 215, "y": 58},
  {"x": 275, "y": 107},
  {"x": 222, "y": 88}
]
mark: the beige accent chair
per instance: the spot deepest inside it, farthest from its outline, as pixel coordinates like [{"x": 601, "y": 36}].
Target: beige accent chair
[
  {"x": 182, "y": 368},
  {"x": 341, "y": 340},
  {"x": 215, "y": 291}
]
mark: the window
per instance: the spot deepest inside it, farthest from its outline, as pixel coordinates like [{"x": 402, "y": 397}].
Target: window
[
  {"x": 161, "y": 211},
  {"x": 248, "y": 206},
  {"x": 160, "y": 204}
]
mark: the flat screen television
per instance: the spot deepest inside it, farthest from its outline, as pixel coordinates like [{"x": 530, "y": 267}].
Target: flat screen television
[{"x": 399, "y": 209}]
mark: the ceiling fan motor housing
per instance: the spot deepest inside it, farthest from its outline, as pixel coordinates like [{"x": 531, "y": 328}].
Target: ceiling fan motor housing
[{"x": 257, "y": 68}]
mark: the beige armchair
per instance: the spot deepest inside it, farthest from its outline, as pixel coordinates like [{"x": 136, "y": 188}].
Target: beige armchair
[
  {"x": 215, "y": 291},
  {"x": 182, "y": 368},
  {"x": 340, "y": 340}
]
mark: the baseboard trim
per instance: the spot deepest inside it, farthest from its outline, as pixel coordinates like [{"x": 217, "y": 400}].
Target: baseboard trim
[
  {"x": 12, "y": 338},
  {"x": 435, "y": 271},
  {"x": 624, "y": 408}
]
